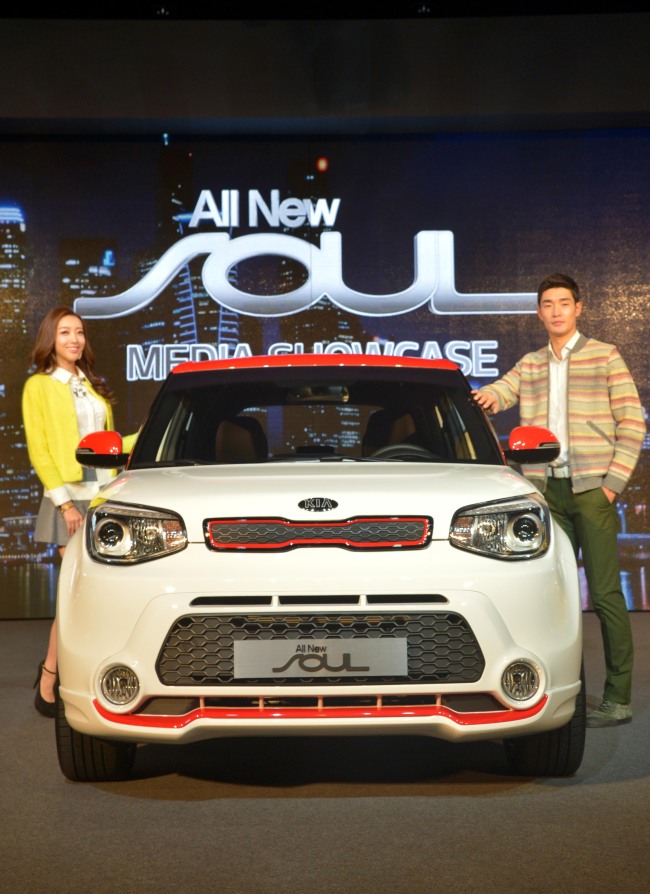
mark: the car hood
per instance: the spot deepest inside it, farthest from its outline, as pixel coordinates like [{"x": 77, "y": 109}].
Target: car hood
[{"x": 275, "y": 490}]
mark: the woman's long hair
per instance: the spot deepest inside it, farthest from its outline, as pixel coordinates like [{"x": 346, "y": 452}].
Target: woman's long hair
[{"x": 43, "y": 355}]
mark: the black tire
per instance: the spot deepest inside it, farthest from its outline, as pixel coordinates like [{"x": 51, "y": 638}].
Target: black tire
[
  {"x": 555, "y": 753},
  {"x": 85, "y": 758}
]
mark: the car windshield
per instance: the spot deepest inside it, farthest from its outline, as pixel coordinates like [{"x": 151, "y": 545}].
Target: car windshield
[{"x": 313, "y": 414}]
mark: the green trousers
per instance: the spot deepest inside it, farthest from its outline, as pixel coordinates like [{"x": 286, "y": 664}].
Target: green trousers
[{"x": 590, "y": 521}]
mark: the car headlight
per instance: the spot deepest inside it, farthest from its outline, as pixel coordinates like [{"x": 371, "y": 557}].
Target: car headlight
[
  {"x": 128, "y": 534},
  {"x": 506, "y": 529}
]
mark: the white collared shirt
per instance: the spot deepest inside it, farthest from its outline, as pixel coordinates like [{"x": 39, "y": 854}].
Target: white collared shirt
[
  {"x": 558, "y": 403},
  {"x": 91, "y": 416},
  {"x": 91, "y": 412}
]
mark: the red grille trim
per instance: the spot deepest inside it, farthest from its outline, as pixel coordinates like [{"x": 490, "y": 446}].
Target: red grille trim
[{"x": 361, "y": 532}]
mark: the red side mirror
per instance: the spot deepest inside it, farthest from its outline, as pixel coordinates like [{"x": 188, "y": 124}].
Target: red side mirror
[
  {"x": 532, "y": 444},
  {"x": 102, "y": 442},
  {"x": 101, "y": 450}
]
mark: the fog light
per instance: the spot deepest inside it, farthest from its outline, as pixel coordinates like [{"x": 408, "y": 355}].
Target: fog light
[
  {"x": 520, "y": 681},
  {"x": 120, "y": 685}
]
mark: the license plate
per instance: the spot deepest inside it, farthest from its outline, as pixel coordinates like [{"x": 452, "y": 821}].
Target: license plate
[{"x": 359, "y": 656}]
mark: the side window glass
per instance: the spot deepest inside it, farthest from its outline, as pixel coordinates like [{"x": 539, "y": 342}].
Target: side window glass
[
  {"x": 454, "y": 431},
  {"x": 174, "y": 439}
]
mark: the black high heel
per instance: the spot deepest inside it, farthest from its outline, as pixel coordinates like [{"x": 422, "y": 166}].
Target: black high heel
[{"x": 47, "y": 709}]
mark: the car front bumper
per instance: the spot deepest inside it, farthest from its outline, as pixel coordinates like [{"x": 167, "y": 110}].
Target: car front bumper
[{"x": 110, "y": 616}]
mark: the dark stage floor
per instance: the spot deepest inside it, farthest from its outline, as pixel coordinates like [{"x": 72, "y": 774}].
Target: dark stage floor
[{"x": 324, "y": 815}]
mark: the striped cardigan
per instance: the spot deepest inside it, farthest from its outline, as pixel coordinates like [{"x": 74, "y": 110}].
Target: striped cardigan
[{"x": 606, "y": 420}]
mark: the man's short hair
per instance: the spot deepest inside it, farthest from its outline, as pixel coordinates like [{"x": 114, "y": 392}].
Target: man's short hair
[{"x": 559, "y": 281}]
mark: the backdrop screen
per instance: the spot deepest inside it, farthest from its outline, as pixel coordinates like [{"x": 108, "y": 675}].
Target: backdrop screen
[{"x": 199, "y": 248}]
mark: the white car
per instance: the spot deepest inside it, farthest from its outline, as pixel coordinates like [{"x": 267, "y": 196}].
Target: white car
[{"x": 326, "y": 545}]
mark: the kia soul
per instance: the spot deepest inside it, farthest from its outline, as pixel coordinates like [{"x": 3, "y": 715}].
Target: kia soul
[{"x": 318, "y": 545}]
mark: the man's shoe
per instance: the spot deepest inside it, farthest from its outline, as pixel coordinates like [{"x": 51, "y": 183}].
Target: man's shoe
[{"x": 609, "y": 714}]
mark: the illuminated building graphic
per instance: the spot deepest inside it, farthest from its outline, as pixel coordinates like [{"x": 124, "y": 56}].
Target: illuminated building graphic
[
  {"x": 87, "y": 269},
  {"x": 324, "y": 323},
  {"x": 197, "y": 318},
  {"x": 13, "y": 271},
  {"x": 19, "y": 487}
]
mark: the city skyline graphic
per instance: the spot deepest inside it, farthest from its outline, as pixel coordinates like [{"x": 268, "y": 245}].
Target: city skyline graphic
[{"x": 88, "y": 218}]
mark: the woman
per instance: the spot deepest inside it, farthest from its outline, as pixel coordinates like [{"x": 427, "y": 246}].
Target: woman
[{"x": 63, "y": 401}]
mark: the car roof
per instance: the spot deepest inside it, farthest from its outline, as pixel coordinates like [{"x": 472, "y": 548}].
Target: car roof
[{"x": 285, "y": 361}]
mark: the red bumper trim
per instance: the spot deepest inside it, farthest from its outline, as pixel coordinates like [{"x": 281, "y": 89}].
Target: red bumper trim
[{"x": 168, "y": 721}]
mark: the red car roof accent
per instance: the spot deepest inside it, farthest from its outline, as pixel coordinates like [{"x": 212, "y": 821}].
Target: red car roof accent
[{"x": 277, "y": 361}]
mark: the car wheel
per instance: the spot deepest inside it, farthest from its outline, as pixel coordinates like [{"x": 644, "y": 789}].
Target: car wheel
[
  {"x": 554, "y": 753},
  {"x": 85, "y": 758}
]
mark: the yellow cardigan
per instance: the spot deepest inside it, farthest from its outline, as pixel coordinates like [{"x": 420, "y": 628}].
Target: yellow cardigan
[{"x": 51, "y": 429}]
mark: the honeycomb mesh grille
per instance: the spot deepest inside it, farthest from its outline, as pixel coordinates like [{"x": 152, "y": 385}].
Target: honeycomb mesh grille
[
  {"x": 198, "y": 650},
  {"x": 355, "y": 533}
]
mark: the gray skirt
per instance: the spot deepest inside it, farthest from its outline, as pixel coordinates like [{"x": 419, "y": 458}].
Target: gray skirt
[{"x": 50, "y": 524}]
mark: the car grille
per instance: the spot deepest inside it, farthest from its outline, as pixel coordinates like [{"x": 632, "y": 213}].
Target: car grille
[
  {"x": 281, "y": 534},
  {"x": 198, "y": 650}
]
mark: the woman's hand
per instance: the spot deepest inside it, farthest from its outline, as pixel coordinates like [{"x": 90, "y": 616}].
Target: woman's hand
[{"x": 73, "y": 519}]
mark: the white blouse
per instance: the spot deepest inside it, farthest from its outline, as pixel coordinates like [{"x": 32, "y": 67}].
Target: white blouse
[{"x": 91, "y": 416}]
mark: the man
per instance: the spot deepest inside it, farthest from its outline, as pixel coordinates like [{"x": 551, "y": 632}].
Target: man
[{"x": 582, "y": 390}]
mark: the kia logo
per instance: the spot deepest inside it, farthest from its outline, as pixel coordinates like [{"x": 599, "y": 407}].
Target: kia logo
[{"x": 318, "y": 504}]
